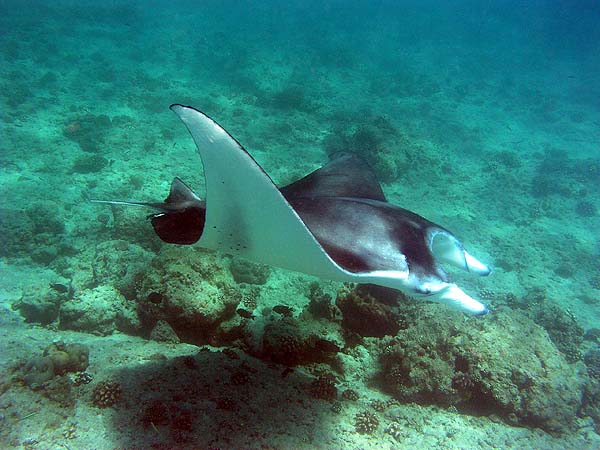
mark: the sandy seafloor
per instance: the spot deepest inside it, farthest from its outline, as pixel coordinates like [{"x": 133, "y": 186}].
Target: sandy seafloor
[{"x": 496, "y": 129}]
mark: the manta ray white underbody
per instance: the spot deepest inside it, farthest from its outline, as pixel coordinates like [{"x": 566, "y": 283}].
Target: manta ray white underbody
[{"x": 334, "y": 223}]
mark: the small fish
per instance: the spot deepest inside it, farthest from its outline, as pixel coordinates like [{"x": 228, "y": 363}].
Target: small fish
[
  {"x": 283, "y": 310},
  {"x": 60, "y": 288},
  {"x": 245, "y": 313},
  {"x": 326, "y": 346}
]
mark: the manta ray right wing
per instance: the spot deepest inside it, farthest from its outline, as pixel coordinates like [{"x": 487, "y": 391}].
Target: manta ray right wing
[{"x": 345, "y": 175}]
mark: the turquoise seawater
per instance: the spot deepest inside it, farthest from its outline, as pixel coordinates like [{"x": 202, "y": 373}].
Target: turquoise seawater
[{"x": 483, "y": 116}]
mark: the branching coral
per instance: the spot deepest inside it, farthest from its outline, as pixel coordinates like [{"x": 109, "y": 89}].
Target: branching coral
[
  {"x": 365, "y": 422},
  {"x": 364, "y": 315},
  {"x": 106, "y": 394},
  {"x": 592, "y": 361},
  {"x": 350, "y": 394},
  {"x": 324, "y": 387}
]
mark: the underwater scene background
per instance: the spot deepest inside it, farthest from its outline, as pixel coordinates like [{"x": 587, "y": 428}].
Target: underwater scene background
[{"x": 483, "y": 116}]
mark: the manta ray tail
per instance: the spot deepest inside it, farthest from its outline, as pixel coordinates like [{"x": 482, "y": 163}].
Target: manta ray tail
[{"x": 181, "y": 216}]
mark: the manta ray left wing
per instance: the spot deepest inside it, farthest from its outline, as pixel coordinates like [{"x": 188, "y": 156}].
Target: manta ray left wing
[{"x": 246, "y": 215}]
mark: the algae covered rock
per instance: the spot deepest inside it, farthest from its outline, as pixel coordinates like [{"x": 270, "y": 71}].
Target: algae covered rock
[
  {"x": 244, "y": 271},
  {"x": 41, "y": 306},
  {"x": 116, "y": 262},
  {"x": 191, "y": 291},
  {"x": 37, "y": 371},
  {"x": 502, "y": 364},
  {"x": 119, "y": 264},
  {"x": 58, "y": 359},
  {"x": 162, "y": 332},
  {"x": 101, "y": 310},
  {"x": 67, "y": 357}
]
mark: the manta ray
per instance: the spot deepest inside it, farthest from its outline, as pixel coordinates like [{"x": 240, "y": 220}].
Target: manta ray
[{"x": 334, "y": 223}]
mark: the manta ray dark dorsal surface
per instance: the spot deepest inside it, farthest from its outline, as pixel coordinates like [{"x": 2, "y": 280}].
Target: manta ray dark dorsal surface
[{"x": 345, "y": 175}]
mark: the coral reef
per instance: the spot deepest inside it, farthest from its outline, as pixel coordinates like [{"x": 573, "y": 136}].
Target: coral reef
[
  {"x": 320, "y": 304},
  {"x": 563, "y": 329},
  {"x": 162, "y": 332},
  {"x": 67, "y": 357},
  {"x": 557, "y": 174},
  {"x": 592, "y": 362},
  {"x": 585, "y": 208},
  {"x": 484, "y": 367},
  {"x": 227, "y": 404},
  {"x": 293, "y": 97},
  {"x": 592, "y": 335},
  {"x": 41, "y": 306},
  {"x": 192, "y": 293},
  {"x": 372, "y": 138},
  {"x": 59, "y": 390},
  {"x": 88, "y": 131},
  {"x": 82, "y": 378},
  {"x": 89, "y": 164},
  {"x": 33, "y": 232},
  {"x": 379, "y": 405},
  {"x": 177, "y": 416},
  {"x": 364, "y": 314},
  {"x": 283, "y": 343},
  {"x": 155, "y": 414},
  {"x": 16, "y": 231},
  {"x": 120, "y": 264},
  {"x": 591, "y": 402},
  {"x": 292, "y": 342},
  {"x": 37, "y": 371},
  {"x": 394, "y": 429},
  {"x": 239, "y": 378}
]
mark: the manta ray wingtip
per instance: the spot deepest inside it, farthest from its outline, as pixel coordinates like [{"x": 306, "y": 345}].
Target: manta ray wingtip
[
  {"x": 483, "y": 312},
  {"x": 476, "y": 266}
]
